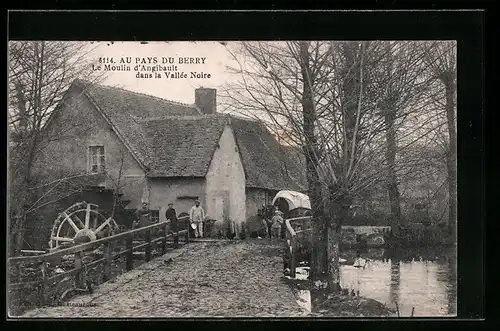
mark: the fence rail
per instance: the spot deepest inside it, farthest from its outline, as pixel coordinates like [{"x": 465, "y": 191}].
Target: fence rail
[
  {"x": 153, "y": 235},
  {"x": 291, "y": 239}
]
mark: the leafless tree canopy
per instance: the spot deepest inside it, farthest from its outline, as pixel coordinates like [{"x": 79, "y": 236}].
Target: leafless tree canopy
[
  {"x": 40, "y": 72},
  {"x": 364, "y": 113},
  {"x": 355, "y": 86}
]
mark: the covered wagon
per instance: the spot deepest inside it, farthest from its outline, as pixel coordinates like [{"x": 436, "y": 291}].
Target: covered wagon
[{"x": 292, "y": 203}]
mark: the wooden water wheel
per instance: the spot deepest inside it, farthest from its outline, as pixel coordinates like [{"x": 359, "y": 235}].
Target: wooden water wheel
[{"x": 82, "y": 222}]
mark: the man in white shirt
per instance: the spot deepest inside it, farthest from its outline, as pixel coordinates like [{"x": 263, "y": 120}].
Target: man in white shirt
[{"x": 196, "y": 216}]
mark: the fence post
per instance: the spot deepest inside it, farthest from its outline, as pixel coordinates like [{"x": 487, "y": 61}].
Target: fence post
[
  {"x": 164, "y": 242},
  {"x": 293, "y": 262},
  {"x": 107, "y": 261},
  {"x": 292, "y": 256},
  {"x": 78, "y": 266},
  {"x": 176, "y": 239},
  {"x": 130, "y": 253},
  {"x": 44, "y": 286},
  {"x": 148, "y": 247}
]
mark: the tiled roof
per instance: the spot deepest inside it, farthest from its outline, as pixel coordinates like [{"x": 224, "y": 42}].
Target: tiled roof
[
  {"x": 125, "y": 109},
  {"x": 115, "y": 101},
  {"x": 182, "y": 146},
  {"x": 266, "y": 163},
  {"x": 171, "y": 139}
]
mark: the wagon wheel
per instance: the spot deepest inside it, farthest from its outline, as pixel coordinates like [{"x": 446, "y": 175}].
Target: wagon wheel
[{"x": 79, "y": 223}]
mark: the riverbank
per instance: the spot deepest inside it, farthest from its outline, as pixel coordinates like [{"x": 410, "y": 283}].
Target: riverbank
[{"x": 344, "y": 304}]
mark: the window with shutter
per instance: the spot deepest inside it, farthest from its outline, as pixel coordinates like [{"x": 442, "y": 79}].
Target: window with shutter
[{"x": 97, "y": 161}]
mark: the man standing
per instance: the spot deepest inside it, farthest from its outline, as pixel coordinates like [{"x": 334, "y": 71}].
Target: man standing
[
  {"x": 267, "y": 215},
  {"x": 277, "y": 224},
  {"x": 171, "y": 215},
  {"x": 196, "y": 216},
  {"x": 143, "y": 216}
]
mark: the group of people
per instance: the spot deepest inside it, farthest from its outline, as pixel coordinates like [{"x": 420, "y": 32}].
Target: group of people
[
  {"x": 275, "y": 224},
  {"x": 196, "y": 217}
]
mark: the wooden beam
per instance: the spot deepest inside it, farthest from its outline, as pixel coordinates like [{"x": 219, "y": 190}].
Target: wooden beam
[
  {"x": 70, "y": 221},
  {"x": 87, "y": 217}
]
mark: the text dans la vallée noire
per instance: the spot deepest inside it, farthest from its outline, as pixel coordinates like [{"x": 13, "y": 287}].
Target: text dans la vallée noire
[{"x": 147, "y": 67}]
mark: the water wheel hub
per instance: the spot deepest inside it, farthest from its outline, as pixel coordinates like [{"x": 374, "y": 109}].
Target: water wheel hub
[{"x": 86, "y": 233}]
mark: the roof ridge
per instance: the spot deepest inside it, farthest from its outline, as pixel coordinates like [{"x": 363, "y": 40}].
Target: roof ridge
[
  {"x": 180, "y": 117},
  {"x": 139, "y": 93}
]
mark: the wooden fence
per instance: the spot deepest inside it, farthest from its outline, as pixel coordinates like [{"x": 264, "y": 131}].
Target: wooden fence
[
  {"x": 294, "y": 226},
  {"x": 152, "y": 236}
]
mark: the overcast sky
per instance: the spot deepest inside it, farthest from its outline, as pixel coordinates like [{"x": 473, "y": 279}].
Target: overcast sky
[{"x": 181, "y": 90}]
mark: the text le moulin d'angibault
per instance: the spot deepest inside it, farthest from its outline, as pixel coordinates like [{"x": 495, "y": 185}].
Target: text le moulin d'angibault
[{"x": 153, "y": 67}]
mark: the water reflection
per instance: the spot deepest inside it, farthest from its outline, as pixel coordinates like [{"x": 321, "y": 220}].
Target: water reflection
[
  {"x": 425, "y": 281},
  {"x": 448, "y": 273},
  {"x": 395, "y": 280}
]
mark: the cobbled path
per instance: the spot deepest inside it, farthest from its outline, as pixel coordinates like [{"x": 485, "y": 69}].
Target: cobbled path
[{"x": 218, "y": 279}]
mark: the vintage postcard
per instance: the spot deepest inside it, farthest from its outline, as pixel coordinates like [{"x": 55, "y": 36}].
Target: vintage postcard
[{"x": 232, "y": 179}]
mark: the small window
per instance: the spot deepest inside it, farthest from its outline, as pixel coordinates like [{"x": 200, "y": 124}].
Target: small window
[
  {"x": 97, "y": 163},
  {"x": 155, "y": 216},
  {"x": 268, "y": 198}
]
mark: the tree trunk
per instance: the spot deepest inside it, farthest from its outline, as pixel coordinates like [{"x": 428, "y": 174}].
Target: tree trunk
[
  {"x": 351, "y": 88},
  {"x": 319, "y": 248},
  {"x": 23, "y": 200},
  {"x": 33, "y": 140},
  {"x": 338, "y": 205},
  {"x": 21, "y": 143},
  {"x": 391, "y": 180},
  {"x": 20, "y": 225},
  {"x": 451, "y": 156},
  {"x": 333, "y": 257},
  {"x": 21, "y": 105}
]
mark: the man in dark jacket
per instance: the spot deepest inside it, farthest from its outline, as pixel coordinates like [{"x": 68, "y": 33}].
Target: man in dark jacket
[
  {"x": 171, "y": 215},
  {"x": 143, "y": 216}
]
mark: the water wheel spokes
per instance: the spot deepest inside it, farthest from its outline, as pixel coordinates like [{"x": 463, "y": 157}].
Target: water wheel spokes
[{"x": 79, "y": 223}]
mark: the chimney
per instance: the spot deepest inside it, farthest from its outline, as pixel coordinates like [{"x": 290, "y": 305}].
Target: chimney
[{"x": 206, "y": 100}]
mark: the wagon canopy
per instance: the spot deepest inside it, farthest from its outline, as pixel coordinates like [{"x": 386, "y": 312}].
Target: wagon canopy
[{"x": 294, "y": 199}]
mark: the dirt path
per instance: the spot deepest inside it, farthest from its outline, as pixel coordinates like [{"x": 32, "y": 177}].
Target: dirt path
[{"x": 223, "y": 279}]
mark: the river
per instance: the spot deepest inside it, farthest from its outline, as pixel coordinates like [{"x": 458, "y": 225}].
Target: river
[{"x": 420, "y": 280}]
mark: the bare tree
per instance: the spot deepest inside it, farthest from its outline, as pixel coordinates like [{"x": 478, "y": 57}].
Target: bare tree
[
  {"x": 39, "y": 74},
  {"x": 341, "y": 103},
  {"x": 117, "y": 185},
  {"x": 313, "y": 91},
  {"x": 441, "y": 58},
  {"x": 401, "y": 83}
]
